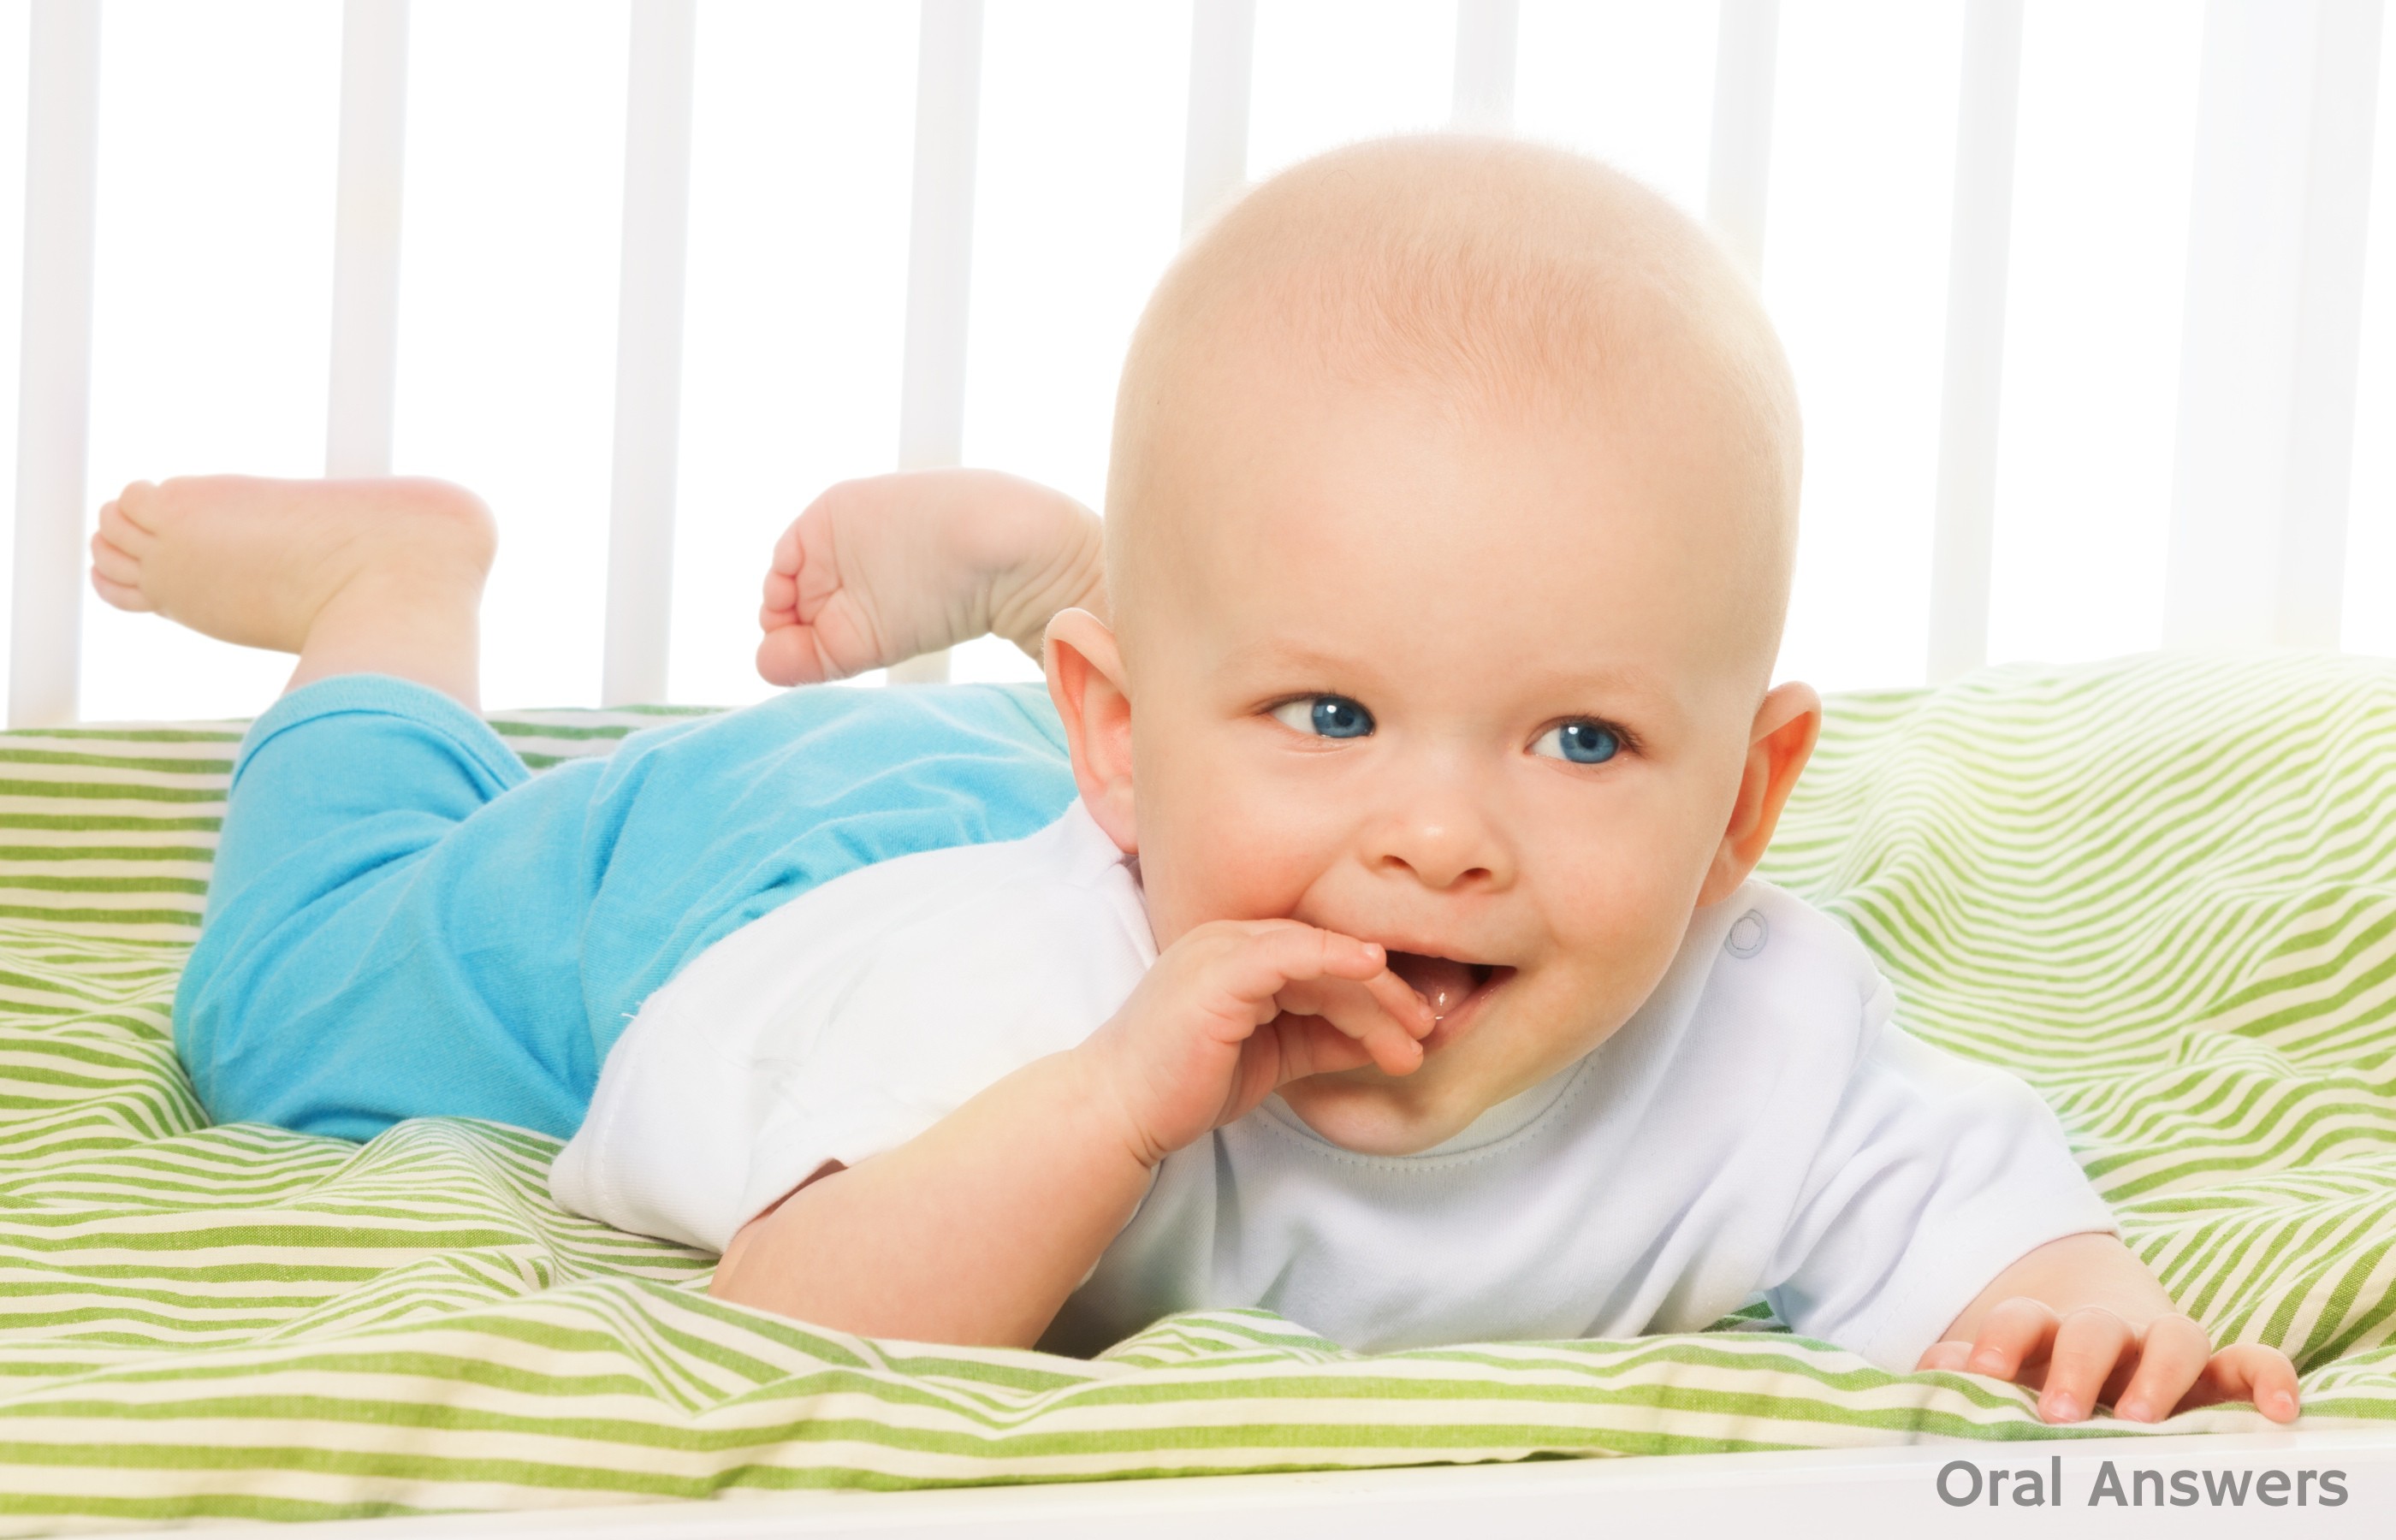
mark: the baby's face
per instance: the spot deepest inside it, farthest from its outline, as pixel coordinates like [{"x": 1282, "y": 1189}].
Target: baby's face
[{"x": 1461, "y": 686}]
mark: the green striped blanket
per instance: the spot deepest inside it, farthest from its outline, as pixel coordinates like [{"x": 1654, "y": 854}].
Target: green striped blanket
[{"x": 2163, "y": 890}]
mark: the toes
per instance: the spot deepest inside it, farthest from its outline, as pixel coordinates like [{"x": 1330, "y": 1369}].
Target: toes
[
  {"x": 787, "y": 658},
  {"x": 119, "y": 595},
  {"x": 788, "y": 555},
  {"x": 118, "y": 528},
  {"x": 109, "y": 562},
  {"x": 135, "y": 510}
]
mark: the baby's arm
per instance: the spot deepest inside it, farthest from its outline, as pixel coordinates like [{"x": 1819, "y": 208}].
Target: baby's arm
[
  {"x": 2084, "y": 1319},
  {"x": 977, "y": 1230},
  {"x": 879, "y": 570}
]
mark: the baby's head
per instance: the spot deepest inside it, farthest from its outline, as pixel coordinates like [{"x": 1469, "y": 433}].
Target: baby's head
[{"x": 1449, "y": 532}]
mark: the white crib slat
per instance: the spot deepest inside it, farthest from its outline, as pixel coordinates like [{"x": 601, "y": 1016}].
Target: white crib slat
[
  {"x": 648, "y": 353},
  {"x": 1214, "y": 150},
  {"x": 365, "y": 238},
  {"x": 1485, "y": 32},
  {"x": 1738, "y": 180},
  {"x": 1979, "y": 246},
  {"x": 939, "y": 238},
  {"x": 940, "y": 255},
  {"x": 54, "y": 361},
  {"x": 2270, "y": 342},
  {"x": 2329, "y": 323}
]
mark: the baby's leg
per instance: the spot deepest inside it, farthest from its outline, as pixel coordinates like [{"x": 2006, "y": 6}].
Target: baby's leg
[
  {"x": 377, "y": 944},
  {"x": 355, "y": 576},
  {"x": 390, "y": 923}
]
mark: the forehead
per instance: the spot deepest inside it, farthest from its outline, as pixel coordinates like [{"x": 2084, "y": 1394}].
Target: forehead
[{"x": 1583, "y": 536}]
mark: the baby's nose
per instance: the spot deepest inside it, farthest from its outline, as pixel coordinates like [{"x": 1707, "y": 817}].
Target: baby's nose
[{"x": 1443, "y": 853}]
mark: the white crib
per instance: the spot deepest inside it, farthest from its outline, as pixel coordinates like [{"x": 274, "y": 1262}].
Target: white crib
[
  {"x": 2266, "y": 430},
  {"x": 2265, "y": 400}
]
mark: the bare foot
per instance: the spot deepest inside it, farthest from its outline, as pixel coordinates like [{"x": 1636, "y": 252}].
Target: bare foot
[
  {"x": 356, "y": 576},
  {"x": 877, "y": 571}
]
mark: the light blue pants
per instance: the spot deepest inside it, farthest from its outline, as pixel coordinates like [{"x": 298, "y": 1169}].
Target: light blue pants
[{"x": 405, "y": 921}]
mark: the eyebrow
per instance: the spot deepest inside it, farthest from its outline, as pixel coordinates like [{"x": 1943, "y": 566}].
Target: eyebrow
[
  {"x": 1271, "y": 653},
  {"x": 1603, "y": 681}
]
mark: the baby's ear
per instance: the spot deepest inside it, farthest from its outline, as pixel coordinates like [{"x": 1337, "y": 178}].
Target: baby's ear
[
  {"x": 1085, "y": 679},
  {"x": 1780, "y": 742}
]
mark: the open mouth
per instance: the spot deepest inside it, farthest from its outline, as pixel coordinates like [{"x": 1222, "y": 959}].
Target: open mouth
[{"x": 1452, "y": 987}]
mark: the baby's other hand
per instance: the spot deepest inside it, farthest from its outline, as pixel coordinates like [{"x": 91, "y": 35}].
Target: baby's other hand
[
  {"x": 876, "y": 571},
  {"x": 2093, "y": 1355},
  {"x": 1235, "y": 1009}
]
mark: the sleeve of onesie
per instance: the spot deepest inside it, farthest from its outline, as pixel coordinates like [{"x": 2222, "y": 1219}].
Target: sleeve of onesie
[{"x": 1935, "y": 1175}]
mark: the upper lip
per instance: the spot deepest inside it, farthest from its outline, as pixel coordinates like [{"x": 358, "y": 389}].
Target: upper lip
[{"x": 1470, "y": 957}]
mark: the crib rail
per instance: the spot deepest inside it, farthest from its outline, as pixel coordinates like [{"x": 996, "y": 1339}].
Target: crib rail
[
  {"x": 2287, "y": 100},
  {"x": 54, "y": 361}
]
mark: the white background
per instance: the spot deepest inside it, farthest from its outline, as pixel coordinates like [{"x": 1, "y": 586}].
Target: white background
[{"x": 215, "y": 244}]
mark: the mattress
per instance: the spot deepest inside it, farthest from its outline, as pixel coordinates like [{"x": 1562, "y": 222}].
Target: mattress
[{"x": 2163, "y": 890}]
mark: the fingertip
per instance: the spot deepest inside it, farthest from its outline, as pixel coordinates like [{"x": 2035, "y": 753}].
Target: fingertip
[
  {"x": 1393, "y": 1053},
  {"x": 2277, "y": 1394}
]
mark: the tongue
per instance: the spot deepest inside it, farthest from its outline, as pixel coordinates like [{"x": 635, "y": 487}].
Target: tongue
[{"x": 1442, "y": 982}]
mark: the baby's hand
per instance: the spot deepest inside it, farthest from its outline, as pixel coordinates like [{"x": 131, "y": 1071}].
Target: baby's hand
[
  {"x": 1237, "y": 1008},
  {"x": 879, "y": 570},
  {"x": 2093, "y": 1355}
]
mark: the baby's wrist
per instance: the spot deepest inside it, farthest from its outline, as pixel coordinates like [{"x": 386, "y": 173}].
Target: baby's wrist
[{"x": 1103, "y": 1092}]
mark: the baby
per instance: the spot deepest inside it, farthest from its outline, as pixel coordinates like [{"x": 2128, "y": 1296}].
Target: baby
[{"x": 1390, "y": 957}]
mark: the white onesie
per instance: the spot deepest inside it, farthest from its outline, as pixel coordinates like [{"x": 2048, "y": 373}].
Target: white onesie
[{"x": 1758, "y": 1128}]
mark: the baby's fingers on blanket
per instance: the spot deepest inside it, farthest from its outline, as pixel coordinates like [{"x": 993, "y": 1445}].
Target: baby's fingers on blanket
[
  {"x": 2015, "y": 1332},
  {"x": 2171, "y": 1356},
  {"x": 2248, "y": 1372},
  {"x": 2088, "y": 1344}
]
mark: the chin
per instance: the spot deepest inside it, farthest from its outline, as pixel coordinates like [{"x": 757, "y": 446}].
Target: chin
[{"x": 1372, "y": 1113}]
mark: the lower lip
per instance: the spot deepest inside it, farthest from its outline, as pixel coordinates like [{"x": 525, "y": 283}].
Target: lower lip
[{"x": 1458, "y": 1022}]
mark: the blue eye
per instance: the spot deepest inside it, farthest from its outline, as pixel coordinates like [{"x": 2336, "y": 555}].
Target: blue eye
[
  {"x": 1580, "y": 742},
  {"x": 1325, "y": 716}
]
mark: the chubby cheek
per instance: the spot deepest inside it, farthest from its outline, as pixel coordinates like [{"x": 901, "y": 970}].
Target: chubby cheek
[
  {"x": 1614, "y": 936},
  {"x": 1617, "y": 906},
  {"x": 1213, "y": 847},
  {"x": 1637, "y": 873}
]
